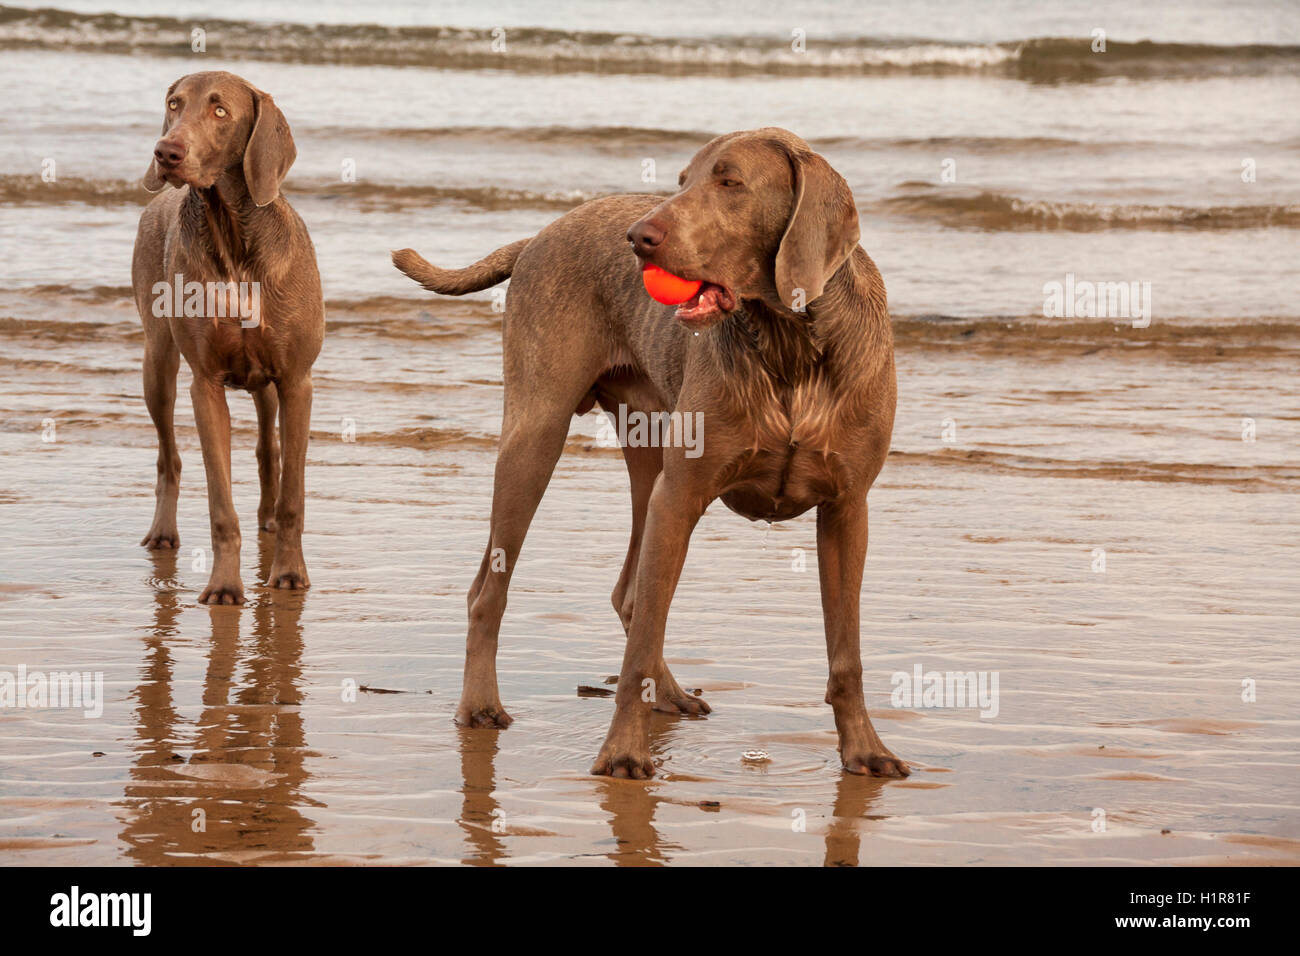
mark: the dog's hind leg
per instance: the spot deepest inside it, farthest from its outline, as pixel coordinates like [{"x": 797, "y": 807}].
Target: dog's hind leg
[
  {"x": 643, "y": 467},
  {"x": 267, "y": 403},
  {"x": 544, "y": 385},
  {"x": 161, "y": 362},
  {"x": 530, "y": 447},
  {"x": 288, "y": 569}
]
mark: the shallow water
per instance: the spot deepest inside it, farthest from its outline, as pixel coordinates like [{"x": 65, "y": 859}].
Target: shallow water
[
  {"x": 1024, "y": 447},
  {"x": 1118, "y": 690}
]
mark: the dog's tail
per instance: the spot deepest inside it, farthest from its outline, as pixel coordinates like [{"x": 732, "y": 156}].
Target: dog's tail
[{"x": 488, "y": 271}]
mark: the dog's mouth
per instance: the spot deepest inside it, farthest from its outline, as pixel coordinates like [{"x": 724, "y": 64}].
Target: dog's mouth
[
  {"x": 181, "y": 174},
  {"x": 170, "y": 172},
  {"x": 708, "y": 306}
]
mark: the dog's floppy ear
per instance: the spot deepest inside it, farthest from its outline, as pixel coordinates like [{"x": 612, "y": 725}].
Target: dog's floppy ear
[
  {"x": 822, "y": 231},
  {"x": 153, "y": 180},
  {"x": 270, "y": 150}
]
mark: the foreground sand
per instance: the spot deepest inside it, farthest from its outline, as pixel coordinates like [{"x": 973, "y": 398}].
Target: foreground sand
[{"x": 1120, "y": 691}]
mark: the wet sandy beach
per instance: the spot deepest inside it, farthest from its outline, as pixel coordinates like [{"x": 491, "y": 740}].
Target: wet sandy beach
[{"x": 1120, "y": 691}]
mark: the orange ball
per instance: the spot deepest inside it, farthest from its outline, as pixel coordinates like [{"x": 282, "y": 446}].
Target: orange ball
[{"x": 667, "y": 288}]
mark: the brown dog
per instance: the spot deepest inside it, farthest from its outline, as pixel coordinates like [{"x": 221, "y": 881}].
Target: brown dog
[
  {"x": 224, "y": 273},
  {"x": 785, "y": 354}
]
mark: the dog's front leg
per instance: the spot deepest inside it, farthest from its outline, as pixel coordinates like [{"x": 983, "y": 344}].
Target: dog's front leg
[
  {"x": 212, "y": 416},
  {"x": 288, "y": 570},
  {"x": 670, "y": 519},
  {"x": 161, "y": 362},
  {"x": 841, "y": 554}
]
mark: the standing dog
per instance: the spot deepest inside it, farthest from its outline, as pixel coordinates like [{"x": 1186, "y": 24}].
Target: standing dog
[
  {"x": 786, "y": 351},
  {"x": 224, "y": 273}
]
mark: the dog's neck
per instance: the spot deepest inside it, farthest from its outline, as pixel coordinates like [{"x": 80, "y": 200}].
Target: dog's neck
[
  {"x": 223, "y": 218},
  {"x": 780, "y": 343},
  {"x": 836, "y": 337}
]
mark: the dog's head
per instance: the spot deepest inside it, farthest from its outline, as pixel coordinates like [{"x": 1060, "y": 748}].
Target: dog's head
[
  {"x": 214, "y": 122},
  {"x": 759, "y": 215}
]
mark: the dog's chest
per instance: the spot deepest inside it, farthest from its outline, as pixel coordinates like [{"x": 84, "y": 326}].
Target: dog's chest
[
  {"x": 791, "y": 460},
  {"x": 220, "y": 318}
]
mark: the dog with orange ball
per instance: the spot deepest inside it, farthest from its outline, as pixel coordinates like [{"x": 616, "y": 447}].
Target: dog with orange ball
[{"x": 797, "y": 384}]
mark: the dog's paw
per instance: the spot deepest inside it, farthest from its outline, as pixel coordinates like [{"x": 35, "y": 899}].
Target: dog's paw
[
  {"x": 167, "y": 539},
  {"x": 215, "y": 594},
  {"x": 288, "y": 577},
  {"x": 879, "y": 763},
  {"x": 484, "y": 716},
  {"x": 683, "y": 703},
  {"x": 671, "y": 699},
  {"x": 623, "y": 762}
]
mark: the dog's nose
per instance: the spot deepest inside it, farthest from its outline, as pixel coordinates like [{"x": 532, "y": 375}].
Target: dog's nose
[
  {"x": 168, "y": 152},
  {"x": 645, "y": 236}
]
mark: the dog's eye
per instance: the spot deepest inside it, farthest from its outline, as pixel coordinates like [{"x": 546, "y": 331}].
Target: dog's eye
[
  {"x": 220, "y": 111},
  {"x": 171, "y": 104},
  {"x": 731, "y": 183}
]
